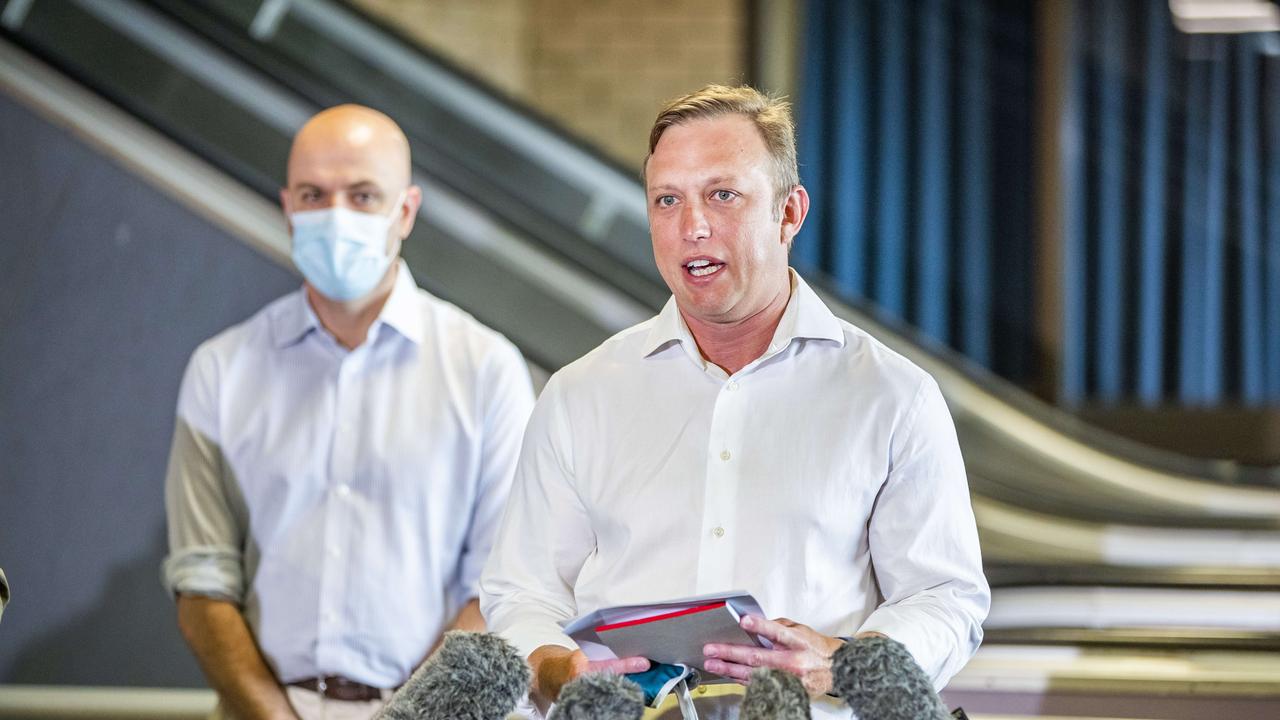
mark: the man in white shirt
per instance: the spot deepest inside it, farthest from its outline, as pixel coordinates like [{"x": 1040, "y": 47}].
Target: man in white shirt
[
  {"x": 340, "y": 459},
  {"x": 745, "y": 438}
]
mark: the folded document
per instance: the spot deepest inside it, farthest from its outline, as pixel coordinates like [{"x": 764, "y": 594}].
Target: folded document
[{"x": 671, "y": 632}]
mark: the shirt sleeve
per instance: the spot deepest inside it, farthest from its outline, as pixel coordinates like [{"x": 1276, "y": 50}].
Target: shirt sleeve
[
  {"x": 527, "y": 586},
  {"x": 506, "y": 398},
  {"x": 924, "y": 544},
  {"x": 206, "y": 526}
]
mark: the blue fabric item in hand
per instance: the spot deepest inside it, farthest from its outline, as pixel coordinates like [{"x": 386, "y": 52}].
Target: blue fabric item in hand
[{"x": 660, "y": 679}]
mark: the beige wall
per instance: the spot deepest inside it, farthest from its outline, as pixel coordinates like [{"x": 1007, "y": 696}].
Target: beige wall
[
  {"x": 485, "y": 36},
  {"x": 599, "y": 67}
]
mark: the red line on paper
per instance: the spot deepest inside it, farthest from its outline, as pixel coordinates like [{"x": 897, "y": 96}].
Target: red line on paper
[{"x": 656, "y": 618}]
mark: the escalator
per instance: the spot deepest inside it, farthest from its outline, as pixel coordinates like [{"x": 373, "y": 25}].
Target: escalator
[{"x": 544, "y": 240}]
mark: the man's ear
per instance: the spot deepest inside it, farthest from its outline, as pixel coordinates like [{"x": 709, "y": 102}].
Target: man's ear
[
  {"x": 409, "y": 210},
  {"x": 794, "y": 210}
]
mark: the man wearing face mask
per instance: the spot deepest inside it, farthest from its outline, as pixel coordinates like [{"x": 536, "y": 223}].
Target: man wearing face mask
[{"x": 340, "y": 459}]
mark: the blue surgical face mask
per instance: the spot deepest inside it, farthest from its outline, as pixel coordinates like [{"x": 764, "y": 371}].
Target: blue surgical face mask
[{"x": 341, "y": 252}]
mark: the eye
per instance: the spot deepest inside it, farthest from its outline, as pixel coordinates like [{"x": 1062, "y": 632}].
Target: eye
[
  {"x": 363, "y": 199},
  {"x": 665, "y": 201},
  {"x": 310, "y": 197},
  {"x": 724, "y": 195}
]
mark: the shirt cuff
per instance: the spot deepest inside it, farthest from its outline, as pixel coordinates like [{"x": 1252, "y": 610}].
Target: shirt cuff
[
  {"x": 210, "y": 571},
  {"x": 529, "y": 634},
  {"x": 903, "y": 624}
]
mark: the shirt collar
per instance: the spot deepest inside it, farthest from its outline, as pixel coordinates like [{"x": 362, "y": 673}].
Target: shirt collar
[
  {"x": 401, "y": 313},
  {"x": 805, "y": 316}
]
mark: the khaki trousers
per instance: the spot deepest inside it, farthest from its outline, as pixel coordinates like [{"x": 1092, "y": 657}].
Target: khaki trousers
[{"x": 311, "y": 705}]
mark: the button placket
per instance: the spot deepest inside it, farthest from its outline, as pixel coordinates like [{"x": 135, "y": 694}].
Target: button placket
[
  {"x": 342, "y": 471},
  {"x": 720, "y": 495}
]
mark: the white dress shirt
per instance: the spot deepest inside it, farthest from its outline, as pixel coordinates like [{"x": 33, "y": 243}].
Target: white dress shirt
[
  {"x": 824, "y": 477},
  {"x": 347, "y": 499}
]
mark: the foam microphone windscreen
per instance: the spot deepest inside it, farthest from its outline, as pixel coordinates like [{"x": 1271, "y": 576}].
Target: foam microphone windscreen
[
  {"x": 774, "y": 695},
  {"x": 880, "y": 680},
  {"x": 599, "y": 696},
  {"x": 473, "y": 676}
]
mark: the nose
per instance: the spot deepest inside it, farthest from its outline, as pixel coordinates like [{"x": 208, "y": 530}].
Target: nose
[{"x": 693, "y": 223}]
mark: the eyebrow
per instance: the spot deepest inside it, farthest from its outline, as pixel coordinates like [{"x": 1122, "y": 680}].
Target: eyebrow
[
  {"x": 358, "y": 185},
  {"x": 717, "y": 180}
]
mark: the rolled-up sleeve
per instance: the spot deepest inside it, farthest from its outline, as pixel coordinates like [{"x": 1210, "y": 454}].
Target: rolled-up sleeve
[
  {"x": 205, "y": 514},
  {"x": 545, "y": 537},
  {"x": 506, "y": 399},
  {"x": 924, "y": 544}
]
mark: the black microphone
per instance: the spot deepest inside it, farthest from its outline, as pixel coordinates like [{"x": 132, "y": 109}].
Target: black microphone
[
  {"x": 599, "y": 696},
  {"x": 473, "y": 676},
  {"x": 774, "y": 695},
  {"x": 880, "y": 680}
]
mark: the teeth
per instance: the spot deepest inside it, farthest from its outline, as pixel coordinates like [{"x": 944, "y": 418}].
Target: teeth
[
  {"x": 703, "y": 271},
  {"x": 698, "y": 263}
]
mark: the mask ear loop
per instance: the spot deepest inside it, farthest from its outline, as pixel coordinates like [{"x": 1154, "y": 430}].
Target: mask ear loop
[
  {"x": 395, "y": 218},
  {"x": 399, "y": 203}
]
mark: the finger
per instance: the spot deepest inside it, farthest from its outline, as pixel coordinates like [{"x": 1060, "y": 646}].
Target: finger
[
  {"x": 775, "y": 631},
  {"x": 619, "y": 666},
  {"x": 578, "y": 662},
  {"x": 733, "y": 671},
  {"x": 746, "y": 655}
]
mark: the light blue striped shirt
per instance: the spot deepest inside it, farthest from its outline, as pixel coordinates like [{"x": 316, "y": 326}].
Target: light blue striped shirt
[{"x": 345, "y": 499}]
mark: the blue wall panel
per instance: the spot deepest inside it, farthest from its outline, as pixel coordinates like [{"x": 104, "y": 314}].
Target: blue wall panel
[
  {"x": 1074, "y": 361},
  {"x": 933, "y": 174},
  {"x": 974, "y": 186},
  {"x": 1271, "y": 264},
  {"x": 1191, "y": 333},
  {"x": 1153, "y": 209},
  {"x": 849, "y": 147},
  {"x": 1249, "y": 220},
  {"x": 1213, "y": 265},
  {"x": 811, "y": 121},
  {"x": 892, "y": 146},
  {"x": 1113, "y": 210}
]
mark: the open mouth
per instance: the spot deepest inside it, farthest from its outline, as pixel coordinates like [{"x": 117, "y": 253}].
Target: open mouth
[{"x": 702, "y": 268}]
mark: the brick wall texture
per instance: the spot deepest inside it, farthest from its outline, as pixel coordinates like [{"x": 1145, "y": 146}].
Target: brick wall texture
[{"x": 601, "y": 68}]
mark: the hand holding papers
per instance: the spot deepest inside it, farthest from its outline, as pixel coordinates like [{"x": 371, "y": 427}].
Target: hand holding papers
[{"x": 671, "y": 632}]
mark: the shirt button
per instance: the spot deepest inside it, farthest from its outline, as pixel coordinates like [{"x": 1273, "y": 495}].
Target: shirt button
[
  {"x": 327, "y": 616},
  {"x": 344, "y": 490},
  {"x": 718, "y": 532},
  {"x": 733, "y": 385},
  {"x": 333, "y": 550},
  {"x": 724, "y": 455}
]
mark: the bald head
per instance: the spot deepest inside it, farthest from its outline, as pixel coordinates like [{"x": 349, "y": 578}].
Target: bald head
[{"x": 351, "y": 137}]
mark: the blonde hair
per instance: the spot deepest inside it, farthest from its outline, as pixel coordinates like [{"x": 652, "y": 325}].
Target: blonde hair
[{"x": 771, "y": 116}]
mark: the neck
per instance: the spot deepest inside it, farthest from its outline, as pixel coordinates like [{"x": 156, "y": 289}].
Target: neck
[
  {"x": 349, "y": 321},
  {"x": 734, "y": 345}
]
